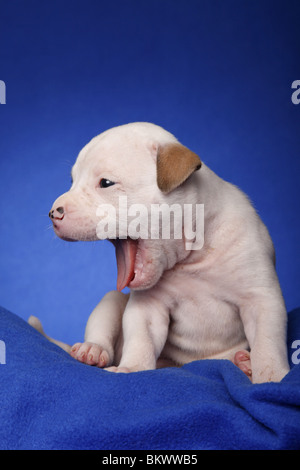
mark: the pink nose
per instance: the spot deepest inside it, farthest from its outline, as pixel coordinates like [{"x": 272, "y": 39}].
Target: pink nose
[{"x": 57, "y": 213}]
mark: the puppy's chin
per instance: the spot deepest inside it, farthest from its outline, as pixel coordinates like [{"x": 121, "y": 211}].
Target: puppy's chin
[
  {"x": 138, "y": 266},
  {"x": 147, "y": 278},
  {"x": 149, "y": 265}
]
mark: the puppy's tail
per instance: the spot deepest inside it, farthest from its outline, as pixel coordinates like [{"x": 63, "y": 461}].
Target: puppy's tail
[{"x": 35, "y": 323}]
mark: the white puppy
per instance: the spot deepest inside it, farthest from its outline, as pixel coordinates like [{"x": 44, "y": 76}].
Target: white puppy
[{"x": 186, "y": 301}]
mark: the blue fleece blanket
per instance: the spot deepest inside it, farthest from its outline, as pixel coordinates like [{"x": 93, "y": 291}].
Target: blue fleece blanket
[{"x": 50, "y": 401}]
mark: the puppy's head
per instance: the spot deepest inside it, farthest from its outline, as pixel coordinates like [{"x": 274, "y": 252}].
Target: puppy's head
[{"x": 120, "y": 178}]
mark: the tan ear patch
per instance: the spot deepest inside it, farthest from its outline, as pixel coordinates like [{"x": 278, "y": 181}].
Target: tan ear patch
[{"x": 175, "y": 163}]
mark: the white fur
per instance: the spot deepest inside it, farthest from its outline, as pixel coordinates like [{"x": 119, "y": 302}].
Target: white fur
[{"x": 184, "y": 305}]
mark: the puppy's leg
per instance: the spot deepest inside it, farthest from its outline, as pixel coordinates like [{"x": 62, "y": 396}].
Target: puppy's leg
[
  {"x": 102, "y": 332},
  {"x": 145, "y": 329},
  {"x": 35, "y": 323},
  {"x": 265, "y": 320}
]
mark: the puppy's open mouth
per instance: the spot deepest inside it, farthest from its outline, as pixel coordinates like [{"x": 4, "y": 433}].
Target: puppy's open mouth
[{"x": 126, "y": 252}]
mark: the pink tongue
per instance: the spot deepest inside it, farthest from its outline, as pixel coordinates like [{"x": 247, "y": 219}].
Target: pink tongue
[{"x": 125, "y": 254}]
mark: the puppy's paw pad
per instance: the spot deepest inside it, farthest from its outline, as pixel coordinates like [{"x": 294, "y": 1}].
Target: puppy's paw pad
[
  {"x": 90, "y": 353},
  {"x": 243, "y": 362}
]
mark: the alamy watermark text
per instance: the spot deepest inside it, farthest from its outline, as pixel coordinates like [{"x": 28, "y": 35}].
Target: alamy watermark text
[
  {"x": 296, "y": 94},
  {"x": 159, "y": 221},
  {"x": 2, "y": 92},
  {"x": 2, "y": 352}
]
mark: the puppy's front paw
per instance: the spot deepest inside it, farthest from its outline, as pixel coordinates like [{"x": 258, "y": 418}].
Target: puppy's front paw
[{"x": 91, "y": 354}]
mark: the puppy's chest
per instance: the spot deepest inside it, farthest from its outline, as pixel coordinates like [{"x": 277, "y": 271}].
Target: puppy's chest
[
  {"x": 201, "y": 316},
  {"x": 202, "y": 321}
]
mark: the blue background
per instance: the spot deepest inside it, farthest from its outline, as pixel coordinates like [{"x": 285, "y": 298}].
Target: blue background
[{"x": 216, "y": 73}]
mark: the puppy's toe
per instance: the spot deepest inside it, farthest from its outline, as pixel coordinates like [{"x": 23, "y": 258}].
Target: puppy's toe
[
  {"x": 74, "y": 350},
  {"x": 96, "y": 356},
  {"x": 79, "y": 351},
  {"x": 243, "y": 362},
  {"x": 104, "y": 359}
]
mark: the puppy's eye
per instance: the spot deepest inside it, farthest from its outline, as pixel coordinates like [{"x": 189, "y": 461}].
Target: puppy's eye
[{"x": 105, "y": 183}]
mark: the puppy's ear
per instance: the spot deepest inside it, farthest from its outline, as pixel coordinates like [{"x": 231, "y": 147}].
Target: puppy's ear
[{"x": 175, "y": 163}]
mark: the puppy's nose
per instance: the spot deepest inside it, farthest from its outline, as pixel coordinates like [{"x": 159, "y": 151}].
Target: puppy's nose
[{"x": 53, "y": 213}]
